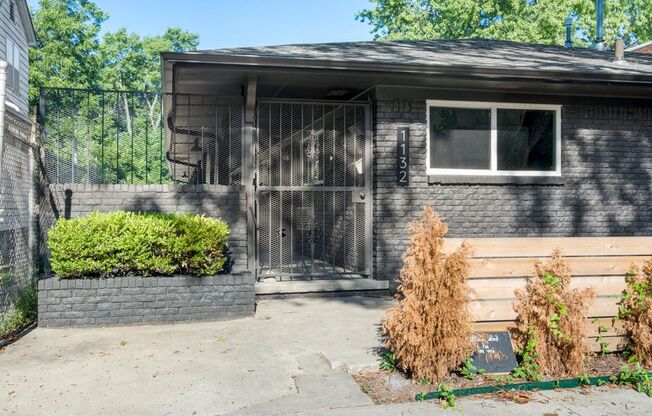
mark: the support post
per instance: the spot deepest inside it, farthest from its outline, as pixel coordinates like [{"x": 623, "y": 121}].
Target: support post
[{"x": 249, "y": 176}]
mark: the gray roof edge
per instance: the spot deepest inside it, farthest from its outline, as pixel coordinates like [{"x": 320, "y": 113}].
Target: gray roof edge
[
  {"x": 316, "y": 64},
  {"x": 639, "y": 46}
]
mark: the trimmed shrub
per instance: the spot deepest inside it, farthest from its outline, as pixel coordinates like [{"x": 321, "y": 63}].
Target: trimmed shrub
[
  {"x": 551, "y": 319},
  {"x": 635, "y": 311},
  {"x": 429, "y": 331},
  {"x": 200, "y": 244},
  {"x": 126, "y": 243}
]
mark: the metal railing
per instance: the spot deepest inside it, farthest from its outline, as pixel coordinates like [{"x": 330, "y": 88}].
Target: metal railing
[{"x": 135, "y": 137}]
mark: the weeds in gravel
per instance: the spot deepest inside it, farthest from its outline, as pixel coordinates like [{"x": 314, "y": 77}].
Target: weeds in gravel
[
  {"x": 638, "y": 377},
  {"x": 388, "y": 362}
]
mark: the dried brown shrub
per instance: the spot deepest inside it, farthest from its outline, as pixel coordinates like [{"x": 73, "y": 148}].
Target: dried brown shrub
[
  {"x": 555, "y": 316},
  {"x": 429, "y": 331},
  {"x": 636, "y": 312}
]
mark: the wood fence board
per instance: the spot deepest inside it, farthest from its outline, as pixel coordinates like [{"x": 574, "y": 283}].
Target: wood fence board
[
  {"x": 580, "y": 266},
  {"x": 502, "y": 310},
  {"x": 492, "y": 288},
  {"x": 592, "y": 327},
  {"x": 543, "y": 246}
]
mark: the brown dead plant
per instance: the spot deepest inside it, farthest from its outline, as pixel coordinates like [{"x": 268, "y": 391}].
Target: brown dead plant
[
  {"x": 555, "y": 316},
  {"x": 429, "y": 331},
  {"x": 635, "y": 312}
]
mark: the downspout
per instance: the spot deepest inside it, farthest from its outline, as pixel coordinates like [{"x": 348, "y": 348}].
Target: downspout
[{"x": 3, "y": 99}]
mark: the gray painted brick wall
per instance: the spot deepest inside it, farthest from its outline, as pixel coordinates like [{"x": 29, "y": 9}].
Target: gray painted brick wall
[
  {"x": 606, "y": 188},
  {"x": 138, "y": 300},
  {"x": 218, "y": 201}
]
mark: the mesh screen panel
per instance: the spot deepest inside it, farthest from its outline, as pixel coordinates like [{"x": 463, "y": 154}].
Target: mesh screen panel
[
  {"x": 139, "y": 137},
  {"x": 17, "y": 190},
  {"x": 311, "y": 161}
]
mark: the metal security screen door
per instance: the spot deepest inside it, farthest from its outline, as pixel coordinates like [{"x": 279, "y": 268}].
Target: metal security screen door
[{"x": 313, "y": 190}]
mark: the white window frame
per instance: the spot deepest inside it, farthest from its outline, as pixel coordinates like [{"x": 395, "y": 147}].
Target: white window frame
[{"x": 494, "y": 107}]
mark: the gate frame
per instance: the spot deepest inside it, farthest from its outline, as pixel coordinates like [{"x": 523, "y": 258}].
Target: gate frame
[{"x": 369, "y": 177}]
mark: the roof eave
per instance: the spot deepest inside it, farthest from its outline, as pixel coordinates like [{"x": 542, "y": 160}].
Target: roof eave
[
  {"x": 637, "y": 47},
  {"x": 26, "y": 21},
  {"x": 316, "y": 64}
]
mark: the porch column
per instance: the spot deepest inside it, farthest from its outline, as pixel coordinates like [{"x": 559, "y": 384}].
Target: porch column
[{"x": 249, "y": 177}]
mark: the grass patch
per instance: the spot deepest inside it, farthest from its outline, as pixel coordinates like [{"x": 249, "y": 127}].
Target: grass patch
[{"x": 21, "y": 314}]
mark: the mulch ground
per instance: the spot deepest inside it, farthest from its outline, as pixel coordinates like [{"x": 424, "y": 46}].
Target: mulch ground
[{"x": 395, "y": 387}]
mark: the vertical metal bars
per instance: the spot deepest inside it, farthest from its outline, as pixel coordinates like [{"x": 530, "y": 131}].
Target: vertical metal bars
[
  {"x": 138, "y": 137},
  {"x": 313, "y": 217}
]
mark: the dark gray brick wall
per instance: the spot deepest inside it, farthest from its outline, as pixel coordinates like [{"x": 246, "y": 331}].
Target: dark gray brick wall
[
  {"x": 138, "y": 300},
  {"x": 607, "y": 179},
  {"x": 225, "y": 202}
]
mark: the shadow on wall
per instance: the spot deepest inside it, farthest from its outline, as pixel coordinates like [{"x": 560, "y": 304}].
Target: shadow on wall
[
  {"x": 607, "y": 166},
  {"x": 606, "y": 187},
  {"x": 225, "y": 202}
]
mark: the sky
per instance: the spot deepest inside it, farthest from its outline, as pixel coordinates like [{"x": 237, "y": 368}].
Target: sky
[{"x": 234, "y": 23}]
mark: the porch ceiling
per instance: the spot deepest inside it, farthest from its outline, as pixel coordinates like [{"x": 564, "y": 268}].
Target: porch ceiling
[{"x": 344, "y": 84}]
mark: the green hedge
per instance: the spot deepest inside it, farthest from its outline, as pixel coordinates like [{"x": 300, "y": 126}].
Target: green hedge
[{"x": 140, "y": 244}]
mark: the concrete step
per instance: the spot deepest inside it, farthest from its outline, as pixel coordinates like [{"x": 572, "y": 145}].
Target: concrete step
[{"x": 320, "y": 286}]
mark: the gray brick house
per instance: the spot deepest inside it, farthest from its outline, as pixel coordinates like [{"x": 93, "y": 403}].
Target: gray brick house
[{"x": 334, "y": 148}]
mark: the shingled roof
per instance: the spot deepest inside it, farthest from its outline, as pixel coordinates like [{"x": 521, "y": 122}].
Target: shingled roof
[{"x": 466, "y": 53}]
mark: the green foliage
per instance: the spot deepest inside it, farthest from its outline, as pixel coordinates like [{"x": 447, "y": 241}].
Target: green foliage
[
  {"x": 131, "y": 62},
  {"x": 584, "y": 379},
  {"x": 469, "y": 370},
  {"x": 70, "y": 53},
  {"x": 515, "y": 20},
  {"x": 21, "y": 314},
  {"x": 447, "y": 397},
  {"x": 604, "y": 345},
  {"x": 528, "y": 368},
  {"x": 200, "y": 243},
  {"x": 365, "y": 387},
  {"x": 388, "y": 362},
  {"x": 67, "y": 45},
  {"x": 125, "y": 243},
  {"x": 637, "y": 377}
]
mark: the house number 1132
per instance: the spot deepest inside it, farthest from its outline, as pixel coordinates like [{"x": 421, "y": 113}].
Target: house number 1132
[{"x": 403, "y": 156}]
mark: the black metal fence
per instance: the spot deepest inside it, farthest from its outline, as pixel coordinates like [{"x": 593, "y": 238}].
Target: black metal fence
[{"x": 134, "y": 137}]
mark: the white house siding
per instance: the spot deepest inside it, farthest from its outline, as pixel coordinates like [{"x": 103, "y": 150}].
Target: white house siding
[{"x": 15, "y": 31}]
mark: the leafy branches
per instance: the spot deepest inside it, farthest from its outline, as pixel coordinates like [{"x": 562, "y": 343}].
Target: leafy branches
[
  {"x": 635, "y": 311},
  {"x": 551, "y": 320},
  {"x": 70, "y": 53},
  {"x": 516, "y": 20}
]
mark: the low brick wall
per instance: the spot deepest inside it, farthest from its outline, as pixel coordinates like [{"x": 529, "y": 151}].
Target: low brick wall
[{"x": 138, "y": 300}]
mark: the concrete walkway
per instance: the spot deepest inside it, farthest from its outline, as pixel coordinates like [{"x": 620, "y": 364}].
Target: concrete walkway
[
  {"x": 208, "y": 368},
  {"x": 291, "y": 359}
]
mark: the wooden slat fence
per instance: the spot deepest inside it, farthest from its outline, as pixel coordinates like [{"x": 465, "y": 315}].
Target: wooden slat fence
[{"x": 501, "y": 265}]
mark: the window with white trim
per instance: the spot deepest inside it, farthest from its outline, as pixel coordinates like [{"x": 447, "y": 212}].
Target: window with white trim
[
  {"x": 478, "y": 138},
  {"x": 13, "y": 69}
]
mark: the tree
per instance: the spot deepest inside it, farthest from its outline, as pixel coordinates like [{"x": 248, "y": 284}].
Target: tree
[
  {"x": 70, "y": 53},
  {"x": 66, "y": 51},
  {"x": 535, "y": 21},
  {"x": 133, "y": 63},
  {"x": 108, "y": 134}
]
